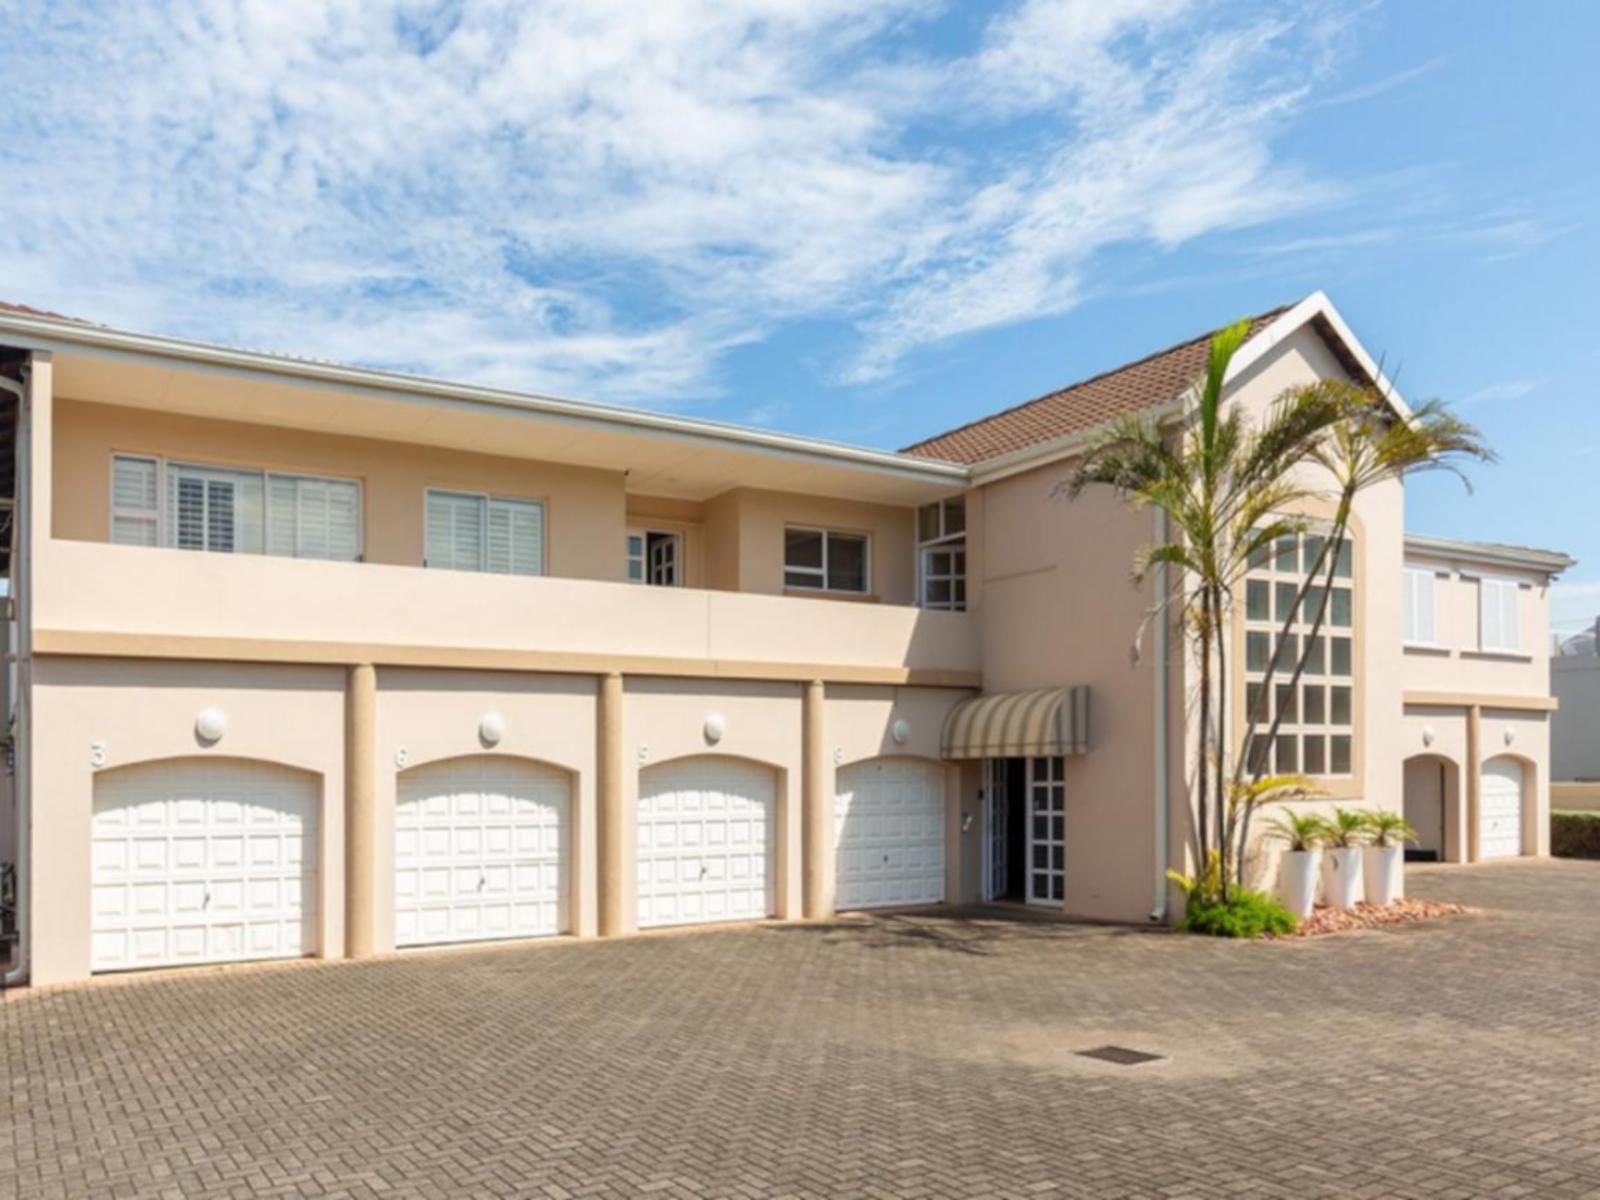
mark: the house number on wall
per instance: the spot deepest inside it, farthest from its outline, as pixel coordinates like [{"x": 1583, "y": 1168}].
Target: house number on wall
[
  {"x": 97, "y": 754},
  {"x": 401, "y": 757}
]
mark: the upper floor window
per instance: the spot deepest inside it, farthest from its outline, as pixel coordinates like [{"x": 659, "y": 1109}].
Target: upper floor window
[
  {"x": 1499, "y": 627},
  {"x": 471, "y": 532},
  {"x": 1419, "y": 611},
  {"x": 942, "y": 553},
  {"x": 155, "y": 502},
  {"x": 1316, "y": 734},
  {"x": 655, "y": 558},
  {"x": 825, "y": 560}
]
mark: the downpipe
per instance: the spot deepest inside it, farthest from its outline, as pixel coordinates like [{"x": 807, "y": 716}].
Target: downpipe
[
  {"x": 21, "y": 614},
  {"x": 1158, "y": 907}
]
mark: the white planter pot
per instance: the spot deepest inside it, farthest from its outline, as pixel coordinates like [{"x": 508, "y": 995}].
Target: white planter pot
[
  {"x": 1341, "y": 876},
  {"x": 1385, "y": 871},
  {"x": 1300, "y": 869}
]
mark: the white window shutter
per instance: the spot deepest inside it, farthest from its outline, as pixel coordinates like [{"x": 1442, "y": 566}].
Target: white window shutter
[
  {"x": 135, "y": 501},
  {"x": 344, "y": 521},
  {"x": 1425, "y": 610},
  {"x": 1510, "y": 632},
  {"x": 282, "y": 515},
  {"x": 515, "y": 542},
  {"x": 455, "y": 531}
]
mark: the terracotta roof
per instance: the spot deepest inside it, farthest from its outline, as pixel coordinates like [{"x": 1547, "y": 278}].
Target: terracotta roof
[
  {"x": 1147, "y": 383},
  {"x": 29, "y": 311}
]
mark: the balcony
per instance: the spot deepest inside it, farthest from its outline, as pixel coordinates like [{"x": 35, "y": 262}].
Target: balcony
[{"x": 96, "y": 598}]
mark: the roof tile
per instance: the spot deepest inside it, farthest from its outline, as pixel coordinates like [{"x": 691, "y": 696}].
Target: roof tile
[{"x": 1147, "y": 383}]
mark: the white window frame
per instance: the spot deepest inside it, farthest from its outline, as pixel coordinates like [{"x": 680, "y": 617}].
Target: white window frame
[
  {"x": 1300, "y": 729},
  {"x": 943, "y": 540},
  {"x": 644, "y": 533},
  {"x": 1414, "y": 632},
  {"x": 483, "y": 549},
  {"x": 1500, "y": 586},
  {"x": 821, "y": 572},
  {"x": 162, "y": 515}
]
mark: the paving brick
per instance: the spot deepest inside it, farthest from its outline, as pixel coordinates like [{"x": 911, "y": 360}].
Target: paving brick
[{"x": 903, "y": 1057}]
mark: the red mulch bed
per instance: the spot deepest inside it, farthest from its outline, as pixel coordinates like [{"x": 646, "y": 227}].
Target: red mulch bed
[{"x": 1373, "y": 916}]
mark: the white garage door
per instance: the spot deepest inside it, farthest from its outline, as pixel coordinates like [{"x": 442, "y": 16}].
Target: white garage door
[
  {"x": 705, "y": 842},
  {"x": 480, "y": 851},
  {"x": 888, "y": 817},
  {"x": 1500, "y": 809},
  {"x": 202, "y": 860}
]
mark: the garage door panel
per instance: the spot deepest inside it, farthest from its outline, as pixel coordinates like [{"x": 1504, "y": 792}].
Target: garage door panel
[
  {"x": 889, "y": 834},
  {"x": 1501, "y": 797},
  {"x": 481, "y": 851},
  {"x": 705, "y": 830},
  {"x": 190, "y": 856}
]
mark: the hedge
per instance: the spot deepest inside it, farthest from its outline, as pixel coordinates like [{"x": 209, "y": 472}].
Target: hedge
[{"x": 1575, "y": 834}]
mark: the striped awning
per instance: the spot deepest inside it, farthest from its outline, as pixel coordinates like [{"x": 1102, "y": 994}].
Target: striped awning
[{"x": 1019, "y": 725}]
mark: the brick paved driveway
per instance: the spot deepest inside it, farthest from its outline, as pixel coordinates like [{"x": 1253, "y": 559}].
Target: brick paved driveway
[{"x": 908, "y": 1057}]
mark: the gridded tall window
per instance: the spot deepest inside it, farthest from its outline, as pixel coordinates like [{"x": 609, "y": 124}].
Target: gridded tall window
[{"x": 1316, "y": 734}]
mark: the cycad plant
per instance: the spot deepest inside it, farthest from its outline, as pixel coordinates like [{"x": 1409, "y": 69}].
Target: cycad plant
[
  {"x": 1389, "y": 829},
  {"x": 1299, "y": 831},
  {"x": 1228, "y": 490},
  {"x": 1347, "y": 829}
]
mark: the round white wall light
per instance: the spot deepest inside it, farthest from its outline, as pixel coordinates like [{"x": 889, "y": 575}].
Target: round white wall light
[
  {"x": 1428, "y": 735},
  {"x": 491, "y": 729},
  {"x": 714, "y": 728},
  {"x": 900, "y": 731},
  {"x": 210, "y": 725}
]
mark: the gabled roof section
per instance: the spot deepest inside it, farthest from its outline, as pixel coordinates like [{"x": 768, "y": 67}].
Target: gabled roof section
[
  {"x": 1056, "y": 424},
  {"x": 1158, "y": 379}
]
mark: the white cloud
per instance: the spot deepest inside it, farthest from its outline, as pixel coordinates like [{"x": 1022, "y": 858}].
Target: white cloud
[
  {"x": 602, "y": 197},
  {"x": 1510, "y": 389}
]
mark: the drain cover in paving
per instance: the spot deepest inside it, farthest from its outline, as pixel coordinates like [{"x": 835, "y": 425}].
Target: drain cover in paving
[{"x": 1121, "y": 1056}]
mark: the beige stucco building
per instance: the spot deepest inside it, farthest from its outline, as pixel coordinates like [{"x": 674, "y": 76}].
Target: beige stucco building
[{"x": 318, "y": 660}]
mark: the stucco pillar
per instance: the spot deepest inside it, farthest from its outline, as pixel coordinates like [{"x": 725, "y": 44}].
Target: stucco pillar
[
  {"x": 816, "y": 804},
  {"x": 613, "y": 831},
  {"x": 360, "y": 810},
  {"x": 1474, "y": 780}
]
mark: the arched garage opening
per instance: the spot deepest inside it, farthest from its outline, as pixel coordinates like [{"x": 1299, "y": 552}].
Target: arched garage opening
[
  {"x": 482, "y": 850},
  {"x": 707, "y": 832},
  {"x": 203, "y": 860},
  {"x": 1432, "y": 790},
  {"x": 889, "y": 833}
]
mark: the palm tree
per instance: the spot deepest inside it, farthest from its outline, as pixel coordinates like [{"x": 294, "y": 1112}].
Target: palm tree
[
  {"x": 1226, "y": 489},
  {"x": 1367, "y": 444}
]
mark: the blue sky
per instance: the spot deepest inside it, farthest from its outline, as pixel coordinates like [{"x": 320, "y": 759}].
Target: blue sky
[{"x": 859, "y": 221}]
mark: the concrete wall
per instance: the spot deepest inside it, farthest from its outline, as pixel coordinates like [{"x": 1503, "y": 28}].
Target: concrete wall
[
  {"x": 1056, "y": 600},
  {"x": 1454, "y": 663},
  {"x": 1575, "y": 726},
  {"x": 88, "y": 588},
  {"x": 91, "y": 715},
  {"x": 732, "y": 543},
  {"x": 98, "y": 715}
]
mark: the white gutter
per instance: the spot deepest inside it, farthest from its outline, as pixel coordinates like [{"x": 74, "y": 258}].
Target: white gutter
[
  {"x": 44, "y": 333},
  {"x": 1158, "y": 907},
  {"x": 22, "y": 613},
  {"x": 1528, "y": 558}
]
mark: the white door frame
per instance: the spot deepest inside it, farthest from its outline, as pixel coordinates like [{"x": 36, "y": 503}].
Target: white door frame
[
  {"x": 1047, "y": 804},
  {"x": 995, "y": 817}
]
